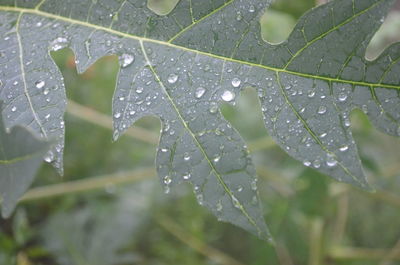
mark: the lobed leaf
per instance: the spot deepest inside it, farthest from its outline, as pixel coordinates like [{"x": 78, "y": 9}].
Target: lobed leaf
[{"x": 181, "y": 66}]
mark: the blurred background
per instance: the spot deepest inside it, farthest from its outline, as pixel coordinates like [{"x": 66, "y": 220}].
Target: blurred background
[{"x": 109, "y": 208}]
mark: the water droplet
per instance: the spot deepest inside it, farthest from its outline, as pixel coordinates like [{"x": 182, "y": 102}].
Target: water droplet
[
  {"x": 200, "y": 92},
  {"x": 252, "y": 9},
  {"x": 342, "y": 97},
  {"x": 236, "y": 82},
  {"x": 228, "y": 96},
  {"x": 132, "y": 112},
  {"x": 364, "y": 109},
  {"x": 167, "y": 180},
  {"x": 115, "y": 135},
  {"x": 164, "y": 150},
  {"x": 216, "y": 159},
  {"x": 238, "y": 16},
  {"x": 47, "y": 116},
  {"x": 121, "y": 98},
  {"x": 311, "y": 93},
  {"x": 219, "y": 206},
  {"x": 39, "y": 24},
  {"x": 322, "y": 110},
  {"x": 117, "y": 115},
  {"x": 167, "y": 189},
  {"x": 331, "y": 161},
  {"x": 126, "y": 60},
  {"x": 200, "y": 199},
  {"x": 13, "y": 109},
  {"x": 317, "y": 163},
  {"x": 235, "y": 202},
  {"x": 253, "y": 184},
  {"x": 187, "y": 176},
  {"x": 347, "y": 122},
  {"x": 307, "y": 163},
  {"x": 240, "y": 188},
  {"x": 186, "y": 156},
  {"x": 139, "y": 90},
  {"x": 58, "y": 44},
  {"x": 172, "y": 78},
  {"x": 213, "y": 108},
  {"x": 344, "y": 148},
  {"x": 40, "y": 84},
  {"x": 49, "y": 157}
]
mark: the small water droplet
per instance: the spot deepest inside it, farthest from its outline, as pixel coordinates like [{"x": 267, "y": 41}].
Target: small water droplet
[
  {"x": 172, "y": 78},
  {"x": 307, "y": 163},
  {"x": 240, "y": 188},
  {"x": 252, "y": 9},
  {"x": 139, "y": 90},
  {"x": 364, "y": 109},
  {"x": 311, "y": 93},
  {"x": 121, "y": 98},
  {"x": 236, "y": 82},
  {"x": 344, "y": 148},
  {"x": 342, "y": 97},
  {"x": 219, "y": 206},
  {"x": 40, "y": 84},
  {"x": 186, "y": 156},
  {"x": 200, "y": 92},
  {"x": 47, "y": 116},
  {"x": 228, "y": 96},
  {"x": 117, "y": 115},
  {"x": 167, "y": 180},
  {"x": 317, "y": 163},
  {"x": 49, "y": 157},
  {"x": 115, "y": 135},
  {"x": 14, "y": 108},
  {"x": 216, "y": 159},
  {"x": 126, "y": 60},
  {"x": 331, "y": 161},
  {"x": 186, "y": 176},
  {"x": 253, "y": 184},
  {"x": 213, "y": 108},
  {"x": 132, "y": 112},
  {"x": 322, "y": 110},
  {"x": 58, "y": 43},
  {"x": 200, "y": 199},
  {"x": 238, "y": 16},
  {"x": 235, "y": 202}
]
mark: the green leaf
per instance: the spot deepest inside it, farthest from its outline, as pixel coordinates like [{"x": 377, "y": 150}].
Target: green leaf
[
  {"x": 181, "y": 66},
  {"x": 20, "y": 156}
]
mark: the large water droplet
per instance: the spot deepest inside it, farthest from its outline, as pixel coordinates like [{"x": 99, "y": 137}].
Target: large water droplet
[
  {"x": 236, "y": 82},
  {"x": 40, "y": 84},
  {"x": 200, "y": 92},
  {"x": 126, "y": 60},
  {"x": 228, "y": 96},
  {"x": 172, "y": 78}
]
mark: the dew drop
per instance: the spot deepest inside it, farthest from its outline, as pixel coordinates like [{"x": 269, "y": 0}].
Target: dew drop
[
  {"x": 322, "y": 110},
  {"x": 228, "y": 96},
  {"x": 216, "y": 159},
  {"x": 240, "y": 188},
  {"x": 213, "y": 108},
  {"x": 132, "y": 112},
  {"x": 347, "y": 122},
  {"x": 126, "y": 60},
  {"x": 40, "y": 84},
  {"x": 117, "y": 115},
  {"x": 252, "y": 9},
  {"x": 167, "y": 180},
  {"x": 307, "y": 163},
  {"x": 331, "y": 161},
  {"x": 47, "y": 116},
  {"x": 115, "y": 135},
  {"x": 139, "y": 90},
  {"x": 311, "y": 93},
  {"x": 121, "y": 98},
  {"x": 236, "y": 82},
  {"x": 342, "y": 97},
  {"x": 253, "y": 184},
  {"x": 58, "y": 44},
  {"x": 186, "y": 157},
  {"x": 200, "y": 92},
  {"x": 172, "y": 78},
  {"x": 49, "y": 157},
  {"x": 200, "y": 199},
  {"x": 13, "y": 109},
  {"x": 317, "y": 163},
  {"x": 219, "y": 206},
  {"x": 235, "y": 202},
  {"x": 186, "y": 177},
  {"x": 344, "y": 148}
]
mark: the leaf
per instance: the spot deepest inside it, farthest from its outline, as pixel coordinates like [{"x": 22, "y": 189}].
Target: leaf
[
  {"x": 89, "y": 236},
  {"x": 20, "y": 157},
  {"x": 181, "y": 66}
]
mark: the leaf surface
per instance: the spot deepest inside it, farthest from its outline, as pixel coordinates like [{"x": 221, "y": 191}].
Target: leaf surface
[
  {"x": 181, "y": 66},
  {"x": 20, "y": 157}
]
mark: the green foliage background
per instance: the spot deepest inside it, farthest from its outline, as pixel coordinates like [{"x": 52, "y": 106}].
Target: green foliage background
[{"x": 314, "y": 220}]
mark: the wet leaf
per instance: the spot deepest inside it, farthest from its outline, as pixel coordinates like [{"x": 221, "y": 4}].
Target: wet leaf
[
  {"x": 20, "y": 156},
  {"x": 181, "y": 66}
]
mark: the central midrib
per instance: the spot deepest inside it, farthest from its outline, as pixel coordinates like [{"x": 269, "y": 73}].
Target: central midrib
[{"x": 144, "y": 39}]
